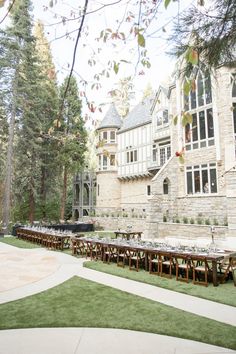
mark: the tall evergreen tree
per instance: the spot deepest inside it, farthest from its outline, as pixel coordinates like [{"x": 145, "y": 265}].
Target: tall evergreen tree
[
  {"x": 49, "y": 90},
  {"x": 28, "y": 144},
  {"x": 207, "y": 34},
  {"x": 72, "y": 138},
  {"x": 3, "y": 150},
  {"x": 13, "y": 43}
]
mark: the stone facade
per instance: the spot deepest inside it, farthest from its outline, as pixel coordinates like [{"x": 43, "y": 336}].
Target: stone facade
[
  {"x": 147, "y": 177},
  {"x": 216, "y": 206}
]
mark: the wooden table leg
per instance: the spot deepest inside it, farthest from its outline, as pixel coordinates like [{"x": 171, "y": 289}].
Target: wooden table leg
[{"x": 214, "y": 273}]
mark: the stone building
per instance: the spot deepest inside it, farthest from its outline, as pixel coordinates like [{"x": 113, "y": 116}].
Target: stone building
[
  {"x": 203, "y": 188},
  {"x": 140, "y": 169},
  {"x": 124, "y": 154}
]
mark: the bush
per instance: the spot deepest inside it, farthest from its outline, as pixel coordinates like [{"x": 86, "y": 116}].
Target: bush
[
  {"x": 215, "y": 222},
  {"x": 199, "y": 221},
  {"x": 192, "y": 221},
  {"x": 185, "y": 220},
  {"x": 207, "y": 222},
  {"x": 164, "y": 218}
]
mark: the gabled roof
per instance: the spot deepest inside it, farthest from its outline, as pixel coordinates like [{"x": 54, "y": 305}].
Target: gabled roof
[
  {"x": 111, "y": 119},
  {"x": 140, "y": 115}
]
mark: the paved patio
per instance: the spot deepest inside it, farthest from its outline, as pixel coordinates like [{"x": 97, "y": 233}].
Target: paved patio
[{"x": 49, "y": 269}]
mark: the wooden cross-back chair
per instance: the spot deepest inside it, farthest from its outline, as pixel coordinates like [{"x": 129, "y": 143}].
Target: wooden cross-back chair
[{"x": 228, "y": 267}]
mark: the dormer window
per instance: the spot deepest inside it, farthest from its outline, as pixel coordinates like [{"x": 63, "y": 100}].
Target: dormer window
[{"x": 162, "y": 118}]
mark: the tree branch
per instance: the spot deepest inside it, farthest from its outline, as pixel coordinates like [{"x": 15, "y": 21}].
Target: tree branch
[
  {"x": 74, "y": 56},
  {"x": 8, "y": 11}
]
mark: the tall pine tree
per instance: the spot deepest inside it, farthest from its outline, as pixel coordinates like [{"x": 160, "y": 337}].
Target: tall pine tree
[
  {"x": 13, "y": 43},
  {"x": 73, "y": 138},
  {"x": 49, "y": 190}
]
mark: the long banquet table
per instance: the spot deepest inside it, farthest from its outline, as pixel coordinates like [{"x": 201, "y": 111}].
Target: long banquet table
[
  {"x": 47, "y": 238},
  {"x": 148, "y": 250}
]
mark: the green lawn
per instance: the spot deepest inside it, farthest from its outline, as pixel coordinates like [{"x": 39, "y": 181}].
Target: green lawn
[
  {"x": 13, "y": 241},
  {"x": 82, "y": 303},
  {"x": 224, "y": 293}
]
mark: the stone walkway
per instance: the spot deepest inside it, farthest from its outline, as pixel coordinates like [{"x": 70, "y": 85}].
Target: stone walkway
[{"x": 49, "y": 269}]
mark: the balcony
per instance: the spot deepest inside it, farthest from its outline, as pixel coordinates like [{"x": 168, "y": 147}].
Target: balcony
[{"x": 153, "y": 166}]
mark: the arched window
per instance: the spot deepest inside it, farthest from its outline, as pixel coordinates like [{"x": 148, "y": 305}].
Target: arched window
[{"x": 166, "y": 183}]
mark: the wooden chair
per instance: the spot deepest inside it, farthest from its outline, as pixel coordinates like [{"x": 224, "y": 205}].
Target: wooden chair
[
  {"x": 136, "y": 257},
  {"x": 166, "y": 263},
  {"x": 109, "y": 253},
  {"x": 183, "y": 266},
  {"x": 97, "y": 251},
  {"x": 121, "y": 257},
  {"x": 228, "y": 266},
  {"x": 201, "y": 270},
  {"x": 89, "y": 249},
  {"x": 154, "y": 263}
]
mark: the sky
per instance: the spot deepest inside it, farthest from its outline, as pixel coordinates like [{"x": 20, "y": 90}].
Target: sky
[{"x": 89, "y": 48}]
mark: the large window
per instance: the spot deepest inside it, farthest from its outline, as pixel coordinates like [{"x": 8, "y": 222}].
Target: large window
[
  {"x": 131, "y": 156},
  {"x": 200, "y": 133},
  {"x": 201, "y": 179},
  {"x": 106, "y": 162},
  {"x": 165, "y": 153},
  {"x": 107, "y": 136},
  {"x": 161, "y": 153}
]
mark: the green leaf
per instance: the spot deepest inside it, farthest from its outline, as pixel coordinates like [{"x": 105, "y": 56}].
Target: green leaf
[
  {"x": 166, "y": 3},
  {"x": 186, "y": 119},
  {"x": 175, "y": 120},
  {"x": 193, "y": 56},
  {"x": 181, "y": 159},
  {"x": 189, "y": 118},
  {"x": 187, "y": 87},
  {"x": 141, "y": 40},
  {"x": 116, "y": 67}
]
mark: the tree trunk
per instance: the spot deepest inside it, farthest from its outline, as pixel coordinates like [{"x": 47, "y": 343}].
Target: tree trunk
[
  {"x": 43, "y": 191},
  {"x": 64, "y": 194},
  {"x": 31, "y": 203},
  {"x": 8, "y": 177}
]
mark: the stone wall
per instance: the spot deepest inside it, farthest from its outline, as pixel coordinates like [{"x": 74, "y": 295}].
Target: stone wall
[
  {"x": 134, "y": 194},
  {"x": 203, "y": 208},
  {"x": 189, "y": 231},
  {"x": 109, "y": 190},
  {"x": 115, "y": 223}
]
